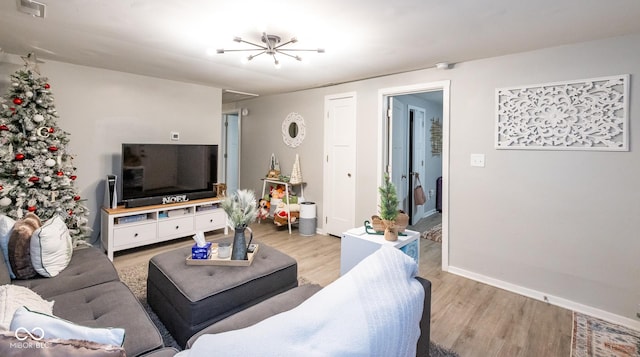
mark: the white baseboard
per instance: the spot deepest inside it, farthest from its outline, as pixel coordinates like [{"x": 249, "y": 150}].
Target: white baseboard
[
  {"x": 429, "y": 213},
  {"x": 551, "y": 299}
]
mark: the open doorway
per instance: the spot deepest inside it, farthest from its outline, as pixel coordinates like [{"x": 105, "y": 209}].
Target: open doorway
[
  {"x": 416, "y": 157},
  {"x": 413, "y": 129},
  {"x": 230, "y": 163}
]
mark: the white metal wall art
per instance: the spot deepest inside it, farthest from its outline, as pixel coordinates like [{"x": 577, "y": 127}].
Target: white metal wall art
[{"x": 589, "y": 114}]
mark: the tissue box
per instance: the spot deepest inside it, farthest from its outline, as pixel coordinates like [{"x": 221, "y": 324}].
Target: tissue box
[{"x": 201, "y": 252}]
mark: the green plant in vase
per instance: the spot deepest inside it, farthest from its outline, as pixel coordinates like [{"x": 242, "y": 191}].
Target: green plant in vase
[
  {"x": 241, "y": 209},
  {"x": 388, "y": 208}
]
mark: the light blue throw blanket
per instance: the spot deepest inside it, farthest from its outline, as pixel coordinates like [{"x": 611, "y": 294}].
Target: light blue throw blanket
[{"x": 373, "y": 310}]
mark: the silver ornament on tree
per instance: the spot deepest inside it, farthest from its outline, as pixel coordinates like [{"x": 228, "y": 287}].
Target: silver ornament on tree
[
  {"x": 42, "y": 132},
  {"x": 29, "y": 94},
  {"x": 5, "y": 201},
  {"x": 50, "y": 162},
  {"x": 38, "y": 118}
]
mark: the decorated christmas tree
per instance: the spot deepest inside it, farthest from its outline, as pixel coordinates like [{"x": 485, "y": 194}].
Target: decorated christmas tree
[{"x": 36, "y": 171}]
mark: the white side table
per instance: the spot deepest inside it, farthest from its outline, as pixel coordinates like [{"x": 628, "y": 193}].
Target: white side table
[{"x": 356, "y": 244}]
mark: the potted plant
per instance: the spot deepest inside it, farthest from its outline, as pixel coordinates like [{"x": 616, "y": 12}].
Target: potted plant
[
  {"x": 389, "y": 208},
  {"x": 241, "y": 209}
]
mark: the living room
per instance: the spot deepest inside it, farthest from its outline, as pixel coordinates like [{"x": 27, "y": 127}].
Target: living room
[{"x": 556, "y": 226}]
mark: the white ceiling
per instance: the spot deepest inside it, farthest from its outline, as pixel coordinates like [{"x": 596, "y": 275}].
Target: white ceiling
[{"x": 362, "y": 38}]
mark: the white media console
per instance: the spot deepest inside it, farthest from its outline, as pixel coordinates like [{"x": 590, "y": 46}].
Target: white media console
[{"x": 124, "y": 228}]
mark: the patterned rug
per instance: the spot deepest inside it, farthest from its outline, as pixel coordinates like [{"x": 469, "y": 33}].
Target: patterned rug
[
  {"x": 434, "y": 234},
  {"x": 593, "y": 337},
  {"x": 135, "y": 277}
]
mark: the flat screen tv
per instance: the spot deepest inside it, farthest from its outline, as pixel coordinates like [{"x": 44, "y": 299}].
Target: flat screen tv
[{"x": 167, "y": 173}]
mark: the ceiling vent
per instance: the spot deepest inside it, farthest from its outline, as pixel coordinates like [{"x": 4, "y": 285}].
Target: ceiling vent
[{"x": 33, "y": 8}]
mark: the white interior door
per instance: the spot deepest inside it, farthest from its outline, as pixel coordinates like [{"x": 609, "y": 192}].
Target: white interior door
[
  {"x": 399, "y": 152},
  {"x": 339, "y": 163},
  {"x": 418, "y": 155}
]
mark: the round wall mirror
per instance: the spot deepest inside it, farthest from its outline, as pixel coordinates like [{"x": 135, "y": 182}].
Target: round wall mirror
[{"x": 293, "y": 130}]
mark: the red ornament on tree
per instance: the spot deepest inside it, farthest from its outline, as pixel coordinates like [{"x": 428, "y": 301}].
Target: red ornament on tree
[
  {"x": 60, "y": 173},
  {"x": 31, "y": 208},
  {"x": 51, "y": 130},
  {"x": 73, "y": 177},
  {"x": 4, "y": 127},
  {"x": 76, "y": 198},
  {"x": 19, "y": 157},
  {"x": 70, "y": 212},
  {"x": 47, "y": 86},
  {"x": 53, "y": 148},
  {"x": 17, "y": 101},
  {"x": 34, "y": 179},
  {"x": 1, "y": 187}
]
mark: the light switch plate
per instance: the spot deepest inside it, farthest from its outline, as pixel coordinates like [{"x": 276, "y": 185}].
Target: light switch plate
[{"x": 477, "y": 160}]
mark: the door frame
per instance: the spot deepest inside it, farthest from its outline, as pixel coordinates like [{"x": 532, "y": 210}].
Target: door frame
[
  {"x": 222, "y": 164},
  {"x": 383, "y": 143},
  {"x": 419, "y": 212}
]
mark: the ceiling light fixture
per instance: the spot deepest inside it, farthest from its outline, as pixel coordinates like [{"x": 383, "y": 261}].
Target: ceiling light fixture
[{"x": 271, "y": 47}]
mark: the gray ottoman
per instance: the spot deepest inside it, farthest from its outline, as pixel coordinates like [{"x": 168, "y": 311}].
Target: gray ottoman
[{"x": 188, "y": 298}]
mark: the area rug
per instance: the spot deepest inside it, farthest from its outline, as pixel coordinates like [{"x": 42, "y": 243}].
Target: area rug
[
  {"x": 593, "y": 337},
  {"x": 135, "y": 277},
  {"x": 434, "y": 234}
]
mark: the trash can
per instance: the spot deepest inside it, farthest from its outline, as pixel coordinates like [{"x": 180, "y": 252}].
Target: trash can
[{"x": 307, "y": 226}]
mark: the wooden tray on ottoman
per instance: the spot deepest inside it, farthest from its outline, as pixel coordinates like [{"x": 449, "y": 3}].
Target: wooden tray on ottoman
[{"x": 214, "y": 260}]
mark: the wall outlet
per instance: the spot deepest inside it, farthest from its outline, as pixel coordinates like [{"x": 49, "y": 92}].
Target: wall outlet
[{"x": 175, "y": 136}]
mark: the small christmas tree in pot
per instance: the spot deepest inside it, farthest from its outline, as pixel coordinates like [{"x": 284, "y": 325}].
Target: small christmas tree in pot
[{"x": 389, "y": 208}]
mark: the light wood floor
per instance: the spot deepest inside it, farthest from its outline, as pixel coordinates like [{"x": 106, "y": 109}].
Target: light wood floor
[{"x": 471, "y": 318}]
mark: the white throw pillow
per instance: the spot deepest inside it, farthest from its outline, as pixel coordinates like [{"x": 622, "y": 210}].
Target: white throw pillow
[
  {"x": 51, "y": 247},
  {"x": 55, "y": 327},
  {"x": 6, "y": 225},
  {"x": 14, "y": 296}
]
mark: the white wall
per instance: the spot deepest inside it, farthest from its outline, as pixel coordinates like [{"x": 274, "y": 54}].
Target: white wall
[
  {"x": 558, "y": 223},
  {"x": 101, "y": 109}
]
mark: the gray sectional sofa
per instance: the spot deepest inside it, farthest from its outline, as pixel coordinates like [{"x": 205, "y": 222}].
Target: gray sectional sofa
[
  {"x": 89, "y": 293},
  {"x": 294, "y": 297}
]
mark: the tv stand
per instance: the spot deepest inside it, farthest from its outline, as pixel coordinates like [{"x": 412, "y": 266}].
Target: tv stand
[{"x": 124, "y": 228}]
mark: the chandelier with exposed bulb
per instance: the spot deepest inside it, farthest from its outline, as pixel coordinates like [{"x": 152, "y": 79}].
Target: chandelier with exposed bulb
[{"x": 270, "y": 46}]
